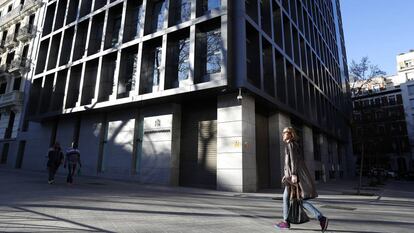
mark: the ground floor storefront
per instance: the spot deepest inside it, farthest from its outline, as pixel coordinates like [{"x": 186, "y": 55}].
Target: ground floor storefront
[{"x": 218, "y": 143}]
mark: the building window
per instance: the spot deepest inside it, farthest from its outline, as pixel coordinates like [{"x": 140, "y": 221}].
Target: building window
[
  {"x": 3, "y": 86},
  {"x": 157, "y": 66},
  {"x": 209, "y": 5},
  {"x": 410, "y": 75},
  {"x": 391, "y": 99},
  {"x": 182, "y": 11},
  {"x": 16, "y": 84},
  {"x": 412, "y": 103},
  {"x": 410, "y": 89},
  {"x": 252, "y": 56},
  {"x": 133, "y": 20},
  {"x": 150, "y": 66},
  {"x": 3, "y": 39},
  {"x": 128, "y": 71},
  {"x": 208, "y": 52},
  {"x": 183, "y": 62},
  {"x": 408, "y": 63},
  {"x": 113, "y": 26},
  {"x": 158, "y": 16},
  {"x": 178, "y": 53},
  {"x": 213, "y": 52},
  {"x": 115, "y": 30},
  {"x": 10, "y": 8}
]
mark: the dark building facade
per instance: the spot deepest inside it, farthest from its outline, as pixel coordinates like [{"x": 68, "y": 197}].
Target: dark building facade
[
  {"x": 380, "y": 130},
  {"x": 192, "y": 92}
]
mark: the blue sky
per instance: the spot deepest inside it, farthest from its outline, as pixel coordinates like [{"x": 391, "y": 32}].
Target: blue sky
[{"x": 379, "y": 29}]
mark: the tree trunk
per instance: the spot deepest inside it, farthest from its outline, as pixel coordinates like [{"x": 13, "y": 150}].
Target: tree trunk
[{"x": 360, "y": 170}]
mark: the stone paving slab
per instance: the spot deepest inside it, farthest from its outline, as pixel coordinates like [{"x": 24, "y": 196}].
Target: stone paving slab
[{"x": 29, "y": 204}]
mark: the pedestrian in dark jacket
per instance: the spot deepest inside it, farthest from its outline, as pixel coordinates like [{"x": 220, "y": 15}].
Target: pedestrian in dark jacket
[
  {"x": 72, "y": 160},
  {"x": 296, "y": 172},
  {"x": 55, "y": 158}
]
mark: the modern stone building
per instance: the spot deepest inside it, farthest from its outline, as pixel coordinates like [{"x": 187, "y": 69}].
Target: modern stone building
[
  {"x": 191, "y": 92},
  {"x": 18, "y": 20},
  {"x": 405, "y": 69}
]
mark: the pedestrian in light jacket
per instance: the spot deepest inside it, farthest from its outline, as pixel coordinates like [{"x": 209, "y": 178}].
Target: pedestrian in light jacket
[
  {"x": 72, "y": 160},
  {"x": 296, "y": 172}
]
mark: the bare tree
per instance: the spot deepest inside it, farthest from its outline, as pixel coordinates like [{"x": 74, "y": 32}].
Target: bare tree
[{"x": 363, "y": 73}]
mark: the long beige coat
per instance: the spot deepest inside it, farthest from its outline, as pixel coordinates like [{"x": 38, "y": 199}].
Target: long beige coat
[{"x": 295, "y": 165}]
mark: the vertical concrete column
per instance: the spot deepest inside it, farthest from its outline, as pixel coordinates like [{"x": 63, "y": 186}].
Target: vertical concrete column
[
  {"x": 191, "y": 58},
  {"x": 307, "y": 139},
  {"x": 324, "y": 156},
  {"x": 161, "y": 82},
  {"x": 137, "y": 76},
  {"x": 349, "y": 158},
  {"x": 82, "y": 78},
  {"x": 236, "y": 146},
  {"x": 277, "y": 122},
  {"x": 114, "y": 94},
  {"x": 175, "y": 145},
  {"x": 335, "y": 164}
]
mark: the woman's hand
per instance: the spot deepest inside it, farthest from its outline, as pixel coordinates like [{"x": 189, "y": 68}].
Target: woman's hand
[{"x": 294, "y": 179}]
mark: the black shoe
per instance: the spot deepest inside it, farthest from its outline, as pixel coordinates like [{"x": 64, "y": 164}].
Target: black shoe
[{"x": 324, "y": 223}]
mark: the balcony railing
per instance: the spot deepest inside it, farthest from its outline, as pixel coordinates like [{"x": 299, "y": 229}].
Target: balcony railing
[
  {"x": 20, "y": 65},
  {"x": 26, "y": 32},
  {"x": 11, "y": 41},
  {"x": 31, "y": 5},
  {"x": 11, "y": 99},
  {"x": 3, "y": 67},
  {"x": 10, "y": 15}
]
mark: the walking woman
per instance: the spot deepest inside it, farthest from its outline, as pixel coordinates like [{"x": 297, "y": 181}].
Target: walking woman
[
  {"x": 295, "y": 171},
  {"x": 72, "y": 160}
]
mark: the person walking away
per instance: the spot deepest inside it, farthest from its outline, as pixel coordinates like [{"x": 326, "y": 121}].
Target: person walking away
[
  {"x": 55, "y": 158},
  {"x": 296, "y": 172},
  {"x": 71, "y": 161}
]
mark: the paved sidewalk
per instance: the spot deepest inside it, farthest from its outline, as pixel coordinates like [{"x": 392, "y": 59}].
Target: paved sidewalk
[{"x": 29, "y": 204}]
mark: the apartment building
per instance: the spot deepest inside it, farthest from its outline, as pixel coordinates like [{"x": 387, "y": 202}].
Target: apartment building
[
  {"x": 384, "y": 118},
  {"x": 18, "y": 20},
  {"x": 191, "y": 92},
  {"x": 405, "y": 72},
  {"x": 380, "y": 129}
]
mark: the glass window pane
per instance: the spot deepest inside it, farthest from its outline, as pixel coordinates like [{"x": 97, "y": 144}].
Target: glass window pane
[
  {"x": 157, "y": 65},
  {"x": 185, "y": 11},
  {"x": 158, "y": 13},
  {"x": 212, "y": 4},
  {"x": 183, "y": 62},
  {"x": 411, "y": 89},
  {"x": 213, "y": 52}
]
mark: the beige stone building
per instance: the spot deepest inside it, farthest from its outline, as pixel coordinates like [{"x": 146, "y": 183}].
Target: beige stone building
[{"x": 18, "y": 20}]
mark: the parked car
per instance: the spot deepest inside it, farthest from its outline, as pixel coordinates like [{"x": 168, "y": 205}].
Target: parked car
[
  {"x": 409, "y": 176},
  {"x": 378, "y": 172},
  {"x": 392, "y": 174}
]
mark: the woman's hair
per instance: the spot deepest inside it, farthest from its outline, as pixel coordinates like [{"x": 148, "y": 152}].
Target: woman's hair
[{"x": 292, "y": 132}]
